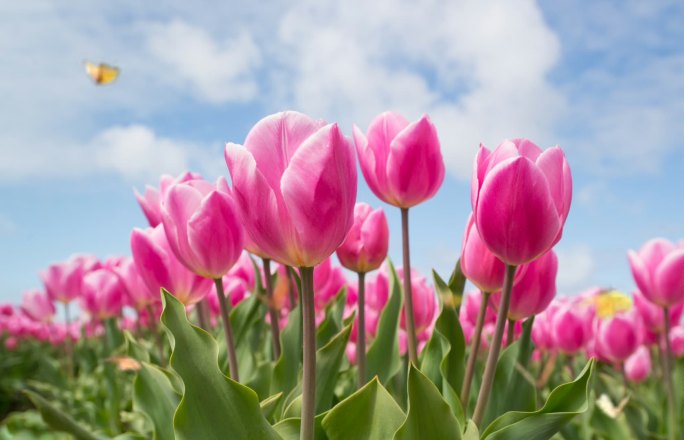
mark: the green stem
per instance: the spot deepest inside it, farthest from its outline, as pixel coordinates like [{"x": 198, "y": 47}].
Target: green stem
[
  {"x": 669, "y": 387},
  {"x": 272, "y": 312},
  {"x": 227, "y": 329},
  {"x": 474, "y": 349},
  {"x": 309, "y": 335},
  {"x": 202, "y": 316},
  {"x": 408, "y": 296},
  {"x": 361, "y": 331},
  {"x": 157, "y": 334},
  {"x": 292, "y": 288},
  {"x": 495, "y": 348}
]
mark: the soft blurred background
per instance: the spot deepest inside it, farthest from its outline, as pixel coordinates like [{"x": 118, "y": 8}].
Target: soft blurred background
[{"x": 603, "y": 79}]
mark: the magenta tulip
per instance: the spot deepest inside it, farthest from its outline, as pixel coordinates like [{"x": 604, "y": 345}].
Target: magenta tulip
[
  {"x": 38, "y": 306},
  {"x": 202, "y": 227},
  {"x": 328, "y": 281},
  {"x": 103, "y": 294},
  {"x": 568, "y": 329},
  {"x": 535, "y": 289},
  {"x": 138, "y": 295},
  {"x": 652, "y": 316},
  {"x": 677, "y": 340},
  {"x": 367, "y": 242},
  {"x": 658, "y": 270},
  {"x": 478, "y": 263},
  {"x": 63, "y": 280},
  {"x": 401, "y": 161},
  {"x": 638, "y": 365},
  {"x": 294, "y": 181},
  {"x": 470, "y": 309},
  {"x": 159, "y": 267},
  {"x": 425, "y": 302},
  {"x": 521, "y": 198},
  {"x": 618, "y": 337},
  {"x": 151, "y": 200}
]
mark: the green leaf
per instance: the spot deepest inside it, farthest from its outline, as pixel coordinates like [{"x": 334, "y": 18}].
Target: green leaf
[
  {"x": 286, "y": 370},
  {"x": 332, "y": 324},
  {"x": 564, "y": 403},
  {"x": 471, "y": 432},
  {"x": 429, "y": 416},
  {"x": 134, "y": 349},
  {"x": 328, "y": 361},
  {"x": 58, "y": 420},
  {"x": 370, "y": 413},
  {"x": 154, "y": 395},
  {"x": 432, "y": 356},
  {"x": 289, "y": 428},
  {"x": 269, "y": 404},
  {"x": 213, "y": 406},
  {"x": 383, "y": 357}
]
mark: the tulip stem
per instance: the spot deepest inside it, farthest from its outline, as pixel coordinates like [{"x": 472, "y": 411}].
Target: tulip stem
[
  {"x": 224, "y": 303},
  {"x": 309, "y": 335},
  {"x": 408, "y": 296},
  {"x": 69, "y": 346},
  {"x": 510, "y": 335},
  {"x": 474, "y": 349},
  {"x": 495, "y": 347},
  {"x": 292, "y": 288},
  {"x": 669, "y": 387},
  {"x": 157, "y": 333},
  {"x": 361, "y": 332},
  {"x": 202, "y": 317},
  {"x": 272, "y": 312}
]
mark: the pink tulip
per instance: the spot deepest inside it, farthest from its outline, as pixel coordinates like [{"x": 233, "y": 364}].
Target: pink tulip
[
  {"x": 202, "y": 227},
  {"x": 37, "y": 306},
  {"x": 151, "y": 200},
  {"x": 542, "y": 335},
  {"x": 677, "y": 340},
  {"x": 138, "y": 295},
  {"x": 478, "y": 263},
  {"x": 638, "y": 365},
  {"x": 425, "y": 302},
  {"x": 328, "y": 281},
  {"x": 159, "y": 267},
  {"x": 103, "y": 294},
  {"x": 471, "y": 308},
  {"x": 617, "y": 337},
  {"x": 568, "y": 329},
  {"x": 11, "y": 343},
  {"x": 534, "y": 290},
  {"x": 658, "y": 270},
  {"x": 294, "y": 181},
  {"x": 521, "y": 199},
  {"x": 367, "y": 242},
  {"x": 401, "y": 161},
  {"x": 652, "y": 315},
  {"x": 63, "y": 280}
]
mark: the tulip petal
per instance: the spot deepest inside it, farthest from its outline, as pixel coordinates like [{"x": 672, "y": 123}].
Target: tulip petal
[
  {"x": 181, "y": 202},
  {"x": 516, "y": 215},
  {"x": 319, "y": 189},
  {"x": 554, "y": 166},
  {"x": 641, "y": 274},
  {"x": 670, "y": 279},
  {"x": 151, "y": 259},
  {"x": 274, "y": 140},
  {"x": 214, "y": 232},
  {"x": 415, "y": 168}
]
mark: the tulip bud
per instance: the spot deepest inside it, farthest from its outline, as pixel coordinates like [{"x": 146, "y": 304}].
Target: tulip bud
[
  {"x": 638, "y": 365},
  {"x": 657, "y": 270},
  {"x": 365, "y": 247}
]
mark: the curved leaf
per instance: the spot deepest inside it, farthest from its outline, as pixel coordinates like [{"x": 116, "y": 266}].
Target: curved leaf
[
  {"x": 564, "y": 403},
  {"x": 370, "y": 413},
  {"x": 58, "y": 420},
  {"x": 429, "y": 416},
  {"x": 213, "y": 406},
  {"x": 383, "y": 358},
  {"x": 332, "y": 324},
  {"x": 154, "y": 395}
]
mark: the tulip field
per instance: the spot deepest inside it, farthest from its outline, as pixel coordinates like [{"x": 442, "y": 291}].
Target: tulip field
[{"x": 264, "y": 306}]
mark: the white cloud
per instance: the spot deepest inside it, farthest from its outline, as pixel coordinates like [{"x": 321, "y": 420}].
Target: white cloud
[
  {"x": 576, "y": 267},
  {"x": 218, "y": 71}
]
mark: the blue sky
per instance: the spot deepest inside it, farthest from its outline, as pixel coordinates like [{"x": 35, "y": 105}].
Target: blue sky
[{"x": 602, "y": 79}]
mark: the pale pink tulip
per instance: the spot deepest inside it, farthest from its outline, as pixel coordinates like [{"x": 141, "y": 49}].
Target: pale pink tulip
[
  {"x": 150, "y": 201},
  {"x": 652, "y": 315},
  {"x": 63, "y": 280},
  {"x": 638, "y": 365},
  {"x": 658, "y": 270},
  {"x": 103, "y": 294},
  {"x": 37, "y": 306}
]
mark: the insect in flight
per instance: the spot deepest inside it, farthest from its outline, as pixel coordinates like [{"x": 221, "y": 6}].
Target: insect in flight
[{"x": 101, "y": 73}]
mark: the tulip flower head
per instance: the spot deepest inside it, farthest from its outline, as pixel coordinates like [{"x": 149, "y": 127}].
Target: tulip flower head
[
  {"x": 365, "y": 247},
  {"x": 521, "y": 198},
  {"x": 658, "y": 270},
  {"x": 38, "y": 306},
  {"x": 638, "y": 365}
]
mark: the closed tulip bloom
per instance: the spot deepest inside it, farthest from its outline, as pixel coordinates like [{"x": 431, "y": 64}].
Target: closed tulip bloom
[
  {"x": 63, "y": 280},
  {"x": 618, "y": 337},
  {"x": 401, "y": 161},
  {"x": 568, "y": 329},
  {"x": 482, "y": 268},
  {"x": 521, "y": 198},
  {"x": 138, "y": 295},
  {"x": 159, "y": 267},
  {"x": 367, "y": 242},
  {"x": 38, "y": 306},
  {"x": 151, "y": 200},
  {"x": 535, "y": 289},
  {"x": 652, "y": 315},
  {"x": 202, "y": 227},
  {"x": 638, "y": 365},
  {"x": 103, "y": 294},
  {"x": 294, "y": 181},
  {"x": 658, "y": 270},
  {"x": 424, "y": 299}
]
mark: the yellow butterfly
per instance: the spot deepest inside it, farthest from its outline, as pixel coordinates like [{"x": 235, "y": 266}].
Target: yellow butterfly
[{"x": 101, "y": 73}]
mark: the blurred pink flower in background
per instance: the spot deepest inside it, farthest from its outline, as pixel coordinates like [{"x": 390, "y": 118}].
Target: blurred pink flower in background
[
  {"x": 638, "y": 365},
  {"x": 365, "y": 247},
  {"x": 151, "y": 200},
  {"x": 658, "y": 270},
  {"x": 37, "y": 306}
]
